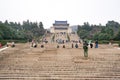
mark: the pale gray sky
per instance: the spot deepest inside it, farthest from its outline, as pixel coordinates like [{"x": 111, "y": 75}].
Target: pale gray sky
[{"x": 74, "y": 11}]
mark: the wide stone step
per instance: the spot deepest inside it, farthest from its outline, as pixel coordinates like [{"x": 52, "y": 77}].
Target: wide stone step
[{"x": 61, "y": 78}]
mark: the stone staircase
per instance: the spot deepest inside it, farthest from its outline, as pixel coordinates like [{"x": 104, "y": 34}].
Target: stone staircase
[
  {"x": 74, "y": 37},
  {"x": 24, "y": 63},
  {"x": 61, "y": 36}
]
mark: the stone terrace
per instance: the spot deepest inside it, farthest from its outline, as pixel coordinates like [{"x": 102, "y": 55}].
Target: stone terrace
[{"x": 50, "y": 63}]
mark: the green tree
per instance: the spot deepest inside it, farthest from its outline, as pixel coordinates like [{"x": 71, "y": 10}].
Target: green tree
[
  {"x": 113, "y": 24},
  {"x": 117, "y": 37},
  {"x": 83, "y": 33},
  {"x": 5, "y": 32},
  {"x": 41, "y": 25},
  {"x": 26, "y": 30}
]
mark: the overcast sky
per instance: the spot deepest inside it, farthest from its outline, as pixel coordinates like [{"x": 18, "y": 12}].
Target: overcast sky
[{"x": 47, "y": 11}]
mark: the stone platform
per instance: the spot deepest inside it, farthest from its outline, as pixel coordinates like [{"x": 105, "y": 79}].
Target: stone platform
[{"x": 51, "y": 63}]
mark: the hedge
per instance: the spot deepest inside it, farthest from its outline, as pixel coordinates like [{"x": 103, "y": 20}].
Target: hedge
[{"x": 16, "y": 41}]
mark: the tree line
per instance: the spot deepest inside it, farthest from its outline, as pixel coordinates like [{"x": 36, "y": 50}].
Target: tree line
[
  {"x": 29, "y": 30},
  {"x": 111, "y": 31},
  {"x": 21, "y": 31}
]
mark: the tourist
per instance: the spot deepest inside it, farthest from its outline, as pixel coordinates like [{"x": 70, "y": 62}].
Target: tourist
[
  {"x": 63, "y": 46},
  {"x": 34, "y": 45},
  {"x": 0, "y": 45},
  {"x": 7, "y": 44},
  {"x": 111, "y": 41},
  {"x": 13, "y": 44},
  {"x": 91, "y": 45},
  {"x": 85, "y": 47},
  {"x": 76, "y": 45},
  {"x": 57, "y": 46},
  {"x": 72, "y": 45},
  {"x": 42, "y": 46},
  {"x": 63, "y": 41},
  {"x": 79, "y": 41},
  {"x": 96, "y": 44}
]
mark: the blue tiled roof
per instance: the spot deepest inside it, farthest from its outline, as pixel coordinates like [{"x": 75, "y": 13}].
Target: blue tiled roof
[{"x": 61, "y": 22}]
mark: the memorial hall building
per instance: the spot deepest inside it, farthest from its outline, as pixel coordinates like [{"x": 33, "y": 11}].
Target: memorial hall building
[{"x": 60, "y": 27}]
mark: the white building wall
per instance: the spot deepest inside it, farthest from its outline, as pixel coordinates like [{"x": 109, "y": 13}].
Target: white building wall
[
  {"x": 69, "y": 30},
  {"x": 61, "y": 26},
  {"x": 52, "y": 30},
  {"x": 58, "y": 31}
]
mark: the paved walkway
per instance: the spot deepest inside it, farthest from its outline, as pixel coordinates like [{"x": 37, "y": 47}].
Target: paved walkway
[
  {"x": 25, "y": 63},
  {"x": 1, "y": 49}
]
